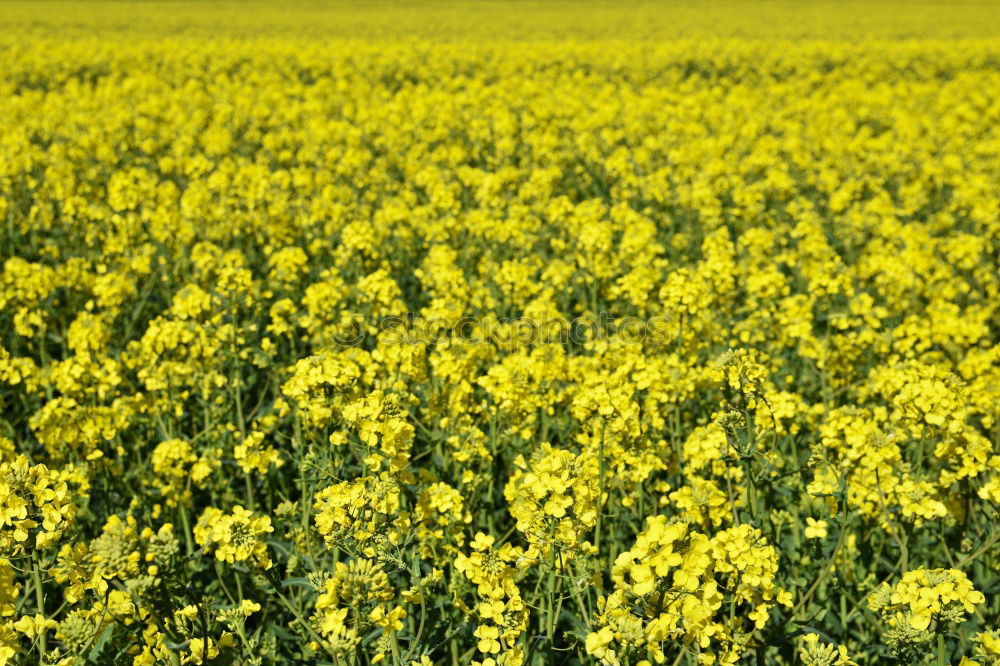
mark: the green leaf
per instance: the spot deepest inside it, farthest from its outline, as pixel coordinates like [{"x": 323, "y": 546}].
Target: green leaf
[{"x": 99, "y": 644}]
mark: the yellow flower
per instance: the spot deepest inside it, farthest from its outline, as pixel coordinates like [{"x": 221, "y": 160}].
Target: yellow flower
[
  {"x": 815, "y": 529},
  {"x": 488, "y": 635},
  {"x": 234, "y": 537},
  {"x": 33, "y": 626}
]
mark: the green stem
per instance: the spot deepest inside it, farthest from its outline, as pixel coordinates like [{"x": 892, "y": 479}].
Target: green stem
[
  {"x": 823, "y": 573},
  {"x": 36, "y": 575},
  {"x": 186, "y": 524},
  {"x": 291, "y": 609}
]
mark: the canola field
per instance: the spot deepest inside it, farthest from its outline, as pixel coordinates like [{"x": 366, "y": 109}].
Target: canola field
[{"x": 499, "y": 333}]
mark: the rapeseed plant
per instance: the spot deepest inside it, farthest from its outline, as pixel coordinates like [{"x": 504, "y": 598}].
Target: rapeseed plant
[{"x": 435, "y": 335}]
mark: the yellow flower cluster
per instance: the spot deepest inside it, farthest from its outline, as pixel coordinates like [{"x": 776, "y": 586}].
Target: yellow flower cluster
[
  {"x": 234, "y": 537},
  {"x": 502, "y": 613},
  {"x": 678, "y": 588},
  {"x": 814, "y": 653},
  {"x": 356, "y": 597},
  {"x": 924, "y": 596},
  {"x": 356, "y": 511},
  {"x": 922, "y": 605},
  {"x": 555, "y": 500},
  {"x": 36, "y": 506}
]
